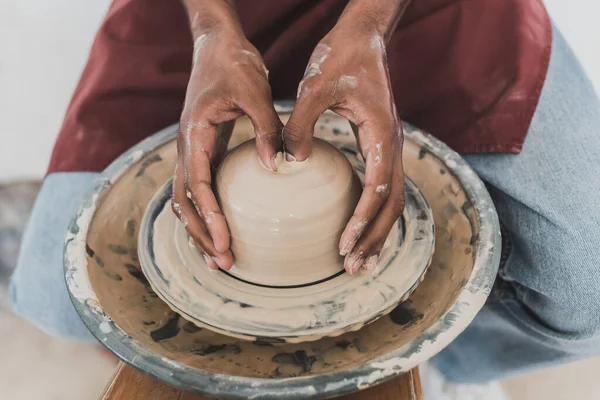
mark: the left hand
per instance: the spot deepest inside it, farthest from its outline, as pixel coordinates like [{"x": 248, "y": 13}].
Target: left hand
[{"x": 348, "y": 74}]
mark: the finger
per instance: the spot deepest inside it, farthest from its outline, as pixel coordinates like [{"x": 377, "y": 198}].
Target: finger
[
  {"x": 197, "y": 182},
  {"x": 258, "y": 105},
  {"x": 194, "y": 225},
  {"x": 378, "y": 144},
  {"x": 202, "y": 239},
  {"x": 299, "y": 129},
  {"x": 366, "y": 251},
  {"x": 210, "y": 263}
]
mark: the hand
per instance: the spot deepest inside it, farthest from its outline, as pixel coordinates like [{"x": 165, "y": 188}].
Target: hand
[
  {"x": 348, "y": 74},
  {"x": 228, "y": 80}
]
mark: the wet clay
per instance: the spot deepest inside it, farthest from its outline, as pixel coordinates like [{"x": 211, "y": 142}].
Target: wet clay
[
  {"x": 141, "y": 321},
  {"x": 332, "y": 306},
  {"x": 285, "y": 226}
]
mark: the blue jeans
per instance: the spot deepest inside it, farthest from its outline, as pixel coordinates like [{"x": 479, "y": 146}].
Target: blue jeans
[{"x": 545, "y": 307}]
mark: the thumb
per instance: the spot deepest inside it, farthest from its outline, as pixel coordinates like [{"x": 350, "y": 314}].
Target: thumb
[{"x": 298, "y": 131}]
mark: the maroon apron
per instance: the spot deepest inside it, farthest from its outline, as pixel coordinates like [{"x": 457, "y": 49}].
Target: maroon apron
[{"x": 470, "y": 72}]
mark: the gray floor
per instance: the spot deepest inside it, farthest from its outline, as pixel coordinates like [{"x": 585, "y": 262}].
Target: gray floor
[{"x": 33, "y": 365}]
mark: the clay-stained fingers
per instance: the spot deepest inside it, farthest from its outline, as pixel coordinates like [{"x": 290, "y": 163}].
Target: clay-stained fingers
[
  {"x": 258, "y": 105},
  {"x": 299, "y": 129},
  {"x": 378, "y": 146},
  {"x": 186, "y": 212},
  {"x": 210, "y": 263},
  {"x": 365, "y": 253},
  {"x": 196, "y": 147}
]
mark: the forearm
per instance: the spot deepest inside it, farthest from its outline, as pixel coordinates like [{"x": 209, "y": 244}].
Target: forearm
[
  {"x": 382, "y": 16},
  {"x": 207, "y": 15}
]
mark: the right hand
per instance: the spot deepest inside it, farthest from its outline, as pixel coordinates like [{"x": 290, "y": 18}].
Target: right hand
[{"x": 228, "y": 80}]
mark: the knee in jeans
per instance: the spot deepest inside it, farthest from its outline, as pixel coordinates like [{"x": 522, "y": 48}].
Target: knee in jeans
[
  {"x": 568, "y": 283},
  {"x": 56, "y": 317}
]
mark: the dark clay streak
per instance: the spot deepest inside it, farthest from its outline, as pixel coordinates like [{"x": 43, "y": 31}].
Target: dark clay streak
[
  {"x": 211, "y": 348},
  {"x": 298, "y": 358},
  {"x": 343, "y": 344},
  {"x": 134, "y": 256},
  {"x": 131, "y": 225},
  {"x": 146, "y": 163},
  {"x": 403, "y": 315},
  {"x": 267, "y": 341},
  {"x": 466, "y": 208},
  {"x": 94, "y": 256},
  {"x": 349, "y": 150},
  {"x": 189, "y": 327},
  {"x": 422, "y": 153},
  {"x": 118, "y": 249},
  {"x": 89, "y": 251},
  {"x": 214, "y": 348},
  {"x": 99, "y": 261},
  {"x": 113, "y": 275},
  {"x": 137, "y": 274},
  {"x": 148, "y": 323},
  {"x": 422, "y": 216},
  {"x": 169, "y": 330}
]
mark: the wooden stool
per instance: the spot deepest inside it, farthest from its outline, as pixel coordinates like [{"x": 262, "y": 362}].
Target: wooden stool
[{"x": 130, "y": 384}]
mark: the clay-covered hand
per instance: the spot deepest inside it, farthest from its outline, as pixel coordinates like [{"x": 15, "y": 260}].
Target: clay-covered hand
[
  {"x": 348, "y": 74},
  {"x": 228, "y": 80}
]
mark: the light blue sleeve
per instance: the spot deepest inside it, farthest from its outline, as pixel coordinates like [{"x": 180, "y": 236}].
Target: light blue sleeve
[{"x": 38, "y": 290}]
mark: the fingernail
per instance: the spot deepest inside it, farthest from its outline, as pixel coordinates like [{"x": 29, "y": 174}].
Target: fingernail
[
  {"x": 350, "y": 236},
  {"x": 218, "y": 262},
  {"x": 273, "y": 163},
  {"x": 353, "y": 262},
  {"x": 209, "y": 262},
  {"x": 371, "y": 263},
  {"x": 290, "y": 158},
  {"x": 192, "y": 242}
]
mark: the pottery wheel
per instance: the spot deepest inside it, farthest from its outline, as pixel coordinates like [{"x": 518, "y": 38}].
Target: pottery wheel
[
  {"x": 329, "y": 307},
  {"x": 117, "y": 304}
]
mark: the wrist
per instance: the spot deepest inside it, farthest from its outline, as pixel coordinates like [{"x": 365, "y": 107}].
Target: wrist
[
  {"x": 207, "y": 16},
  {"x": 374, "y": 17}
]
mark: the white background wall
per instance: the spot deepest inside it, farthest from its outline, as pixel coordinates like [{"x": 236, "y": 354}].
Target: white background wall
[{"x": 44, "y": 46}]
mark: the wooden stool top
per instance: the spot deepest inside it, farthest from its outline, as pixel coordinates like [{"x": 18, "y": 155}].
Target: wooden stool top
[{"x": 130, "y": 384}]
